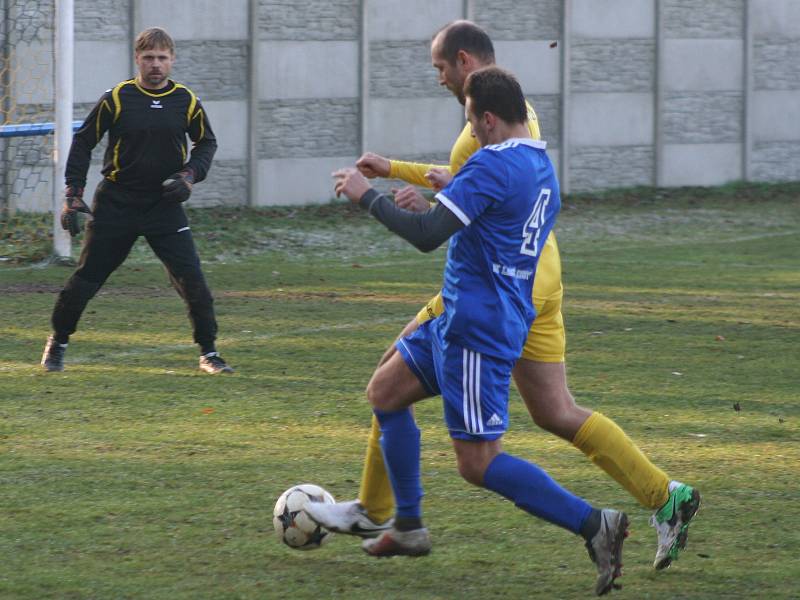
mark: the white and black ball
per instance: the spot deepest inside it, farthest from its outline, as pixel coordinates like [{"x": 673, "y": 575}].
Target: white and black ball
[{"x": 292, "y": 525}]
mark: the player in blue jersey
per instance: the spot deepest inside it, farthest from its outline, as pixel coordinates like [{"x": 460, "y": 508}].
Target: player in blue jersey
[{"x": 497, "y": 212}]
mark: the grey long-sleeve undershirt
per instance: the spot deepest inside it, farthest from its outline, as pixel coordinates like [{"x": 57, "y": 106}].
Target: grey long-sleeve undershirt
[{"x": 426, "y": 231}]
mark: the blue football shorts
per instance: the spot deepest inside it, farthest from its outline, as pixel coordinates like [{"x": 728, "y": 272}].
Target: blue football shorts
[{"x": 474, "y": 386}]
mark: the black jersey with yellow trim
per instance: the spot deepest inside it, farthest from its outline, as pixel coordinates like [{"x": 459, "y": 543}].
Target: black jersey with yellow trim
[{"x": 147, "y": 136}]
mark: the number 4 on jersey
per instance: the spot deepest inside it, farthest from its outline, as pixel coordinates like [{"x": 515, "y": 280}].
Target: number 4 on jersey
[{"x": 532, "y": 229}]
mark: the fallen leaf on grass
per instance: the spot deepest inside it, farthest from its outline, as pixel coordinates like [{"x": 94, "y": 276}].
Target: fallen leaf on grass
[{"x": 207, "y": 411}]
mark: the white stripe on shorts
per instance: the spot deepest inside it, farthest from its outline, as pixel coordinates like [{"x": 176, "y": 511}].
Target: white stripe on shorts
[{"x": 471, "y": 391}]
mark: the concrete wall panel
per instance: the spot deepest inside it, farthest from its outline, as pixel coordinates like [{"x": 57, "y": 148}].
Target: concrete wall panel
[
  {"x": 611, "y": 119},
  {"x": 309, "y": 20},
  {"x": 776, "y": 18},
  {"x": 717, "y": 19},
  {"x": 402, "y": 69},
  {"x": 101, "y": 20},
  {"x": 700, "y": 65},
  {"x": 92, "y": 76},
  {"x": 413, "y": 125},
  {"x": 613, "y": 18},
  {"x": 536, "y": 65},
  {"x": 612, "y": 66},
  {"x": 389, "y": 19},
  {"x": 599, "y": 167},
  {"x": 776, "y": 116},
  {"x": 702, "y": 164},
  {"x": 213, "y": 69},
  {"x": 308, "y": 128},
  {"x": 776, "y": 161},
  {"x": 298, "y": 181},
  {"x": 703, "y": 117},
  {"x": 548, "y": 111},
  {"x": 226, "y": 185},
  {"x": 514, "y": 20},
  {"x": 308, "y": 70},
  {"x": 228, "y": 119},
  {"x": 777, "y": 64},
  {"x": 196, "y": 19}
]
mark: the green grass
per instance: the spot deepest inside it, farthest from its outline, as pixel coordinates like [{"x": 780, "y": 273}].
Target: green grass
[{"x": 132, "y": 475}]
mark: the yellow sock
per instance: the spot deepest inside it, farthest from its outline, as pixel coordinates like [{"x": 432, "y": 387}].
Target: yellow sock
[
  {"x": 609, "y": 448},
  {"x": 376, "y": 490}
]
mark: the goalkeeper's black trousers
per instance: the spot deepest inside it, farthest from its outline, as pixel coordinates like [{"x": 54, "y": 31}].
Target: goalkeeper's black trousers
[{"x": 120, "y": 217}]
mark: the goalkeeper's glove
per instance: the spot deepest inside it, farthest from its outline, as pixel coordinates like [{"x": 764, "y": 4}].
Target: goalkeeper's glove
[
  {"x": 178, "y": 187},
  {"x": 73, "y": 204}
]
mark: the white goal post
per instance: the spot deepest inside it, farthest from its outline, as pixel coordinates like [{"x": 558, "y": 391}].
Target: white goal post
[{"x": 64, "y": 54}]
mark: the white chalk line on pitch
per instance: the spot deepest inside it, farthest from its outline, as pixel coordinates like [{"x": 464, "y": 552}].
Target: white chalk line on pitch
[{"x": 237, "y": 339}]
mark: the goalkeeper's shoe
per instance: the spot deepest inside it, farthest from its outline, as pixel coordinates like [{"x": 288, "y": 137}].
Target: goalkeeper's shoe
[
  {"x": 672, "y": 524},
  {"x": 393, "y": 542},
  {"x": 53, "y": 355},
  {"x": 213, "y": 363},
  {"x": 605, "y": 549},
  {"x": 350, "y": 518}
]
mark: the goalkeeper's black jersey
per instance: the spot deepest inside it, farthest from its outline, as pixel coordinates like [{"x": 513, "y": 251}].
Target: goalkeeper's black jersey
[{"x": 147, "y": 132}]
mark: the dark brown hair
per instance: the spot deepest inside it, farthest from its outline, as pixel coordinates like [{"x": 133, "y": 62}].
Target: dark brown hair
[
  {"x": 497, "y": 91},
  {"x": 153, "y": 38}
]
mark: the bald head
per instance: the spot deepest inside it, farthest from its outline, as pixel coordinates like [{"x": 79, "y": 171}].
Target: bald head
[
  {"x": 464, "y": 36},
  {"x": 458, "y": 49}
]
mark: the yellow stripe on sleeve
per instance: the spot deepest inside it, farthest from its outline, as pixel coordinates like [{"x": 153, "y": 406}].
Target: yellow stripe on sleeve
[
  {"x": 113, "y": 175},
  {"x": 105, "y": 105},
  {"x": 202, "y": 124},
  {"x": 115, "y": 98},
  {"x": 192, "y": 103}
]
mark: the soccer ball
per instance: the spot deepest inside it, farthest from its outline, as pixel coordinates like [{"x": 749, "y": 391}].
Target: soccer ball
[{"x": 292, "y": 525}]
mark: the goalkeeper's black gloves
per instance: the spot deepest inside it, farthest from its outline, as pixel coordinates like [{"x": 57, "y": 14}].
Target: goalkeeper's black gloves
[
  {"x": 73, "y": 204},
  {"x": 178, "y": 186}
]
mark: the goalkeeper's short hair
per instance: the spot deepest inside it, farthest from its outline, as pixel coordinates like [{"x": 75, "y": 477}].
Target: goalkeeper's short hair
[{"x": 152, "y": 38}]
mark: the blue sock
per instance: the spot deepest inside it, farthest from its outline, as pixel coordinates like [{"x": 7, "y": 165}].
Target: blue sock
[
  {"x": 400, "y": 441},
  {"x": 534, "y": 491}
]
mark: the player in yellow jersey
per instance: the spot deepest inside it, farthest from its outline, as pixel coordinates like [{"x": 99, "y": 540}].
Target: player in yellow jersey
[{"x": 458, "y": 49}]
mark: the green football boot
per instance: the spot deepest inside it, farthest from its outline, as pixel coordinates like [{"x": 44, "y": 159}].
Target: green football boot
[{"x": 672, "y": 524}]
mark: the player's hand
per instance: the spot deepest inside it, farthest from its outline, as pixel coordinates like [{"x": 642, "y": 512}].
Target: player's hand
[
  {"x": 178, "y": 186},
  {"x": 439, "y": 177},
  {"x": 73, "y": 204},
  {"x": 409, "y": 198},
  {"x": 372, "y": 165},
  {"x": 351, "y": 183}
]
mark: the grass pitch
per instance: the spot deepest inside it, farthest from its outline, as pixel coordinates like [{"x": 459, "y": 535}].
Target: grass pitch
[{"x": 132, "y": 475}]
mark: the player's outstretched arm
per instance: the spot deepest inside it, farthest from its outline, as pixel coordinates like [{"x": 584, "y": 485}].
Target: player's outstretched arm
[
  {"x": 425, "y": 231},
  {"x": 411, "y": 172},
  {"x": 373, "y": 165}
]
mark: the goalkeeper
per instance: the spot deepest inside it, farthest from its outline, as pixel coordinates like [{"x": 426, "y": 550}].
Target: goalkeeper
[
  {"x": 147, "y": 175},
  {"x": 540, "y": 374}
]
